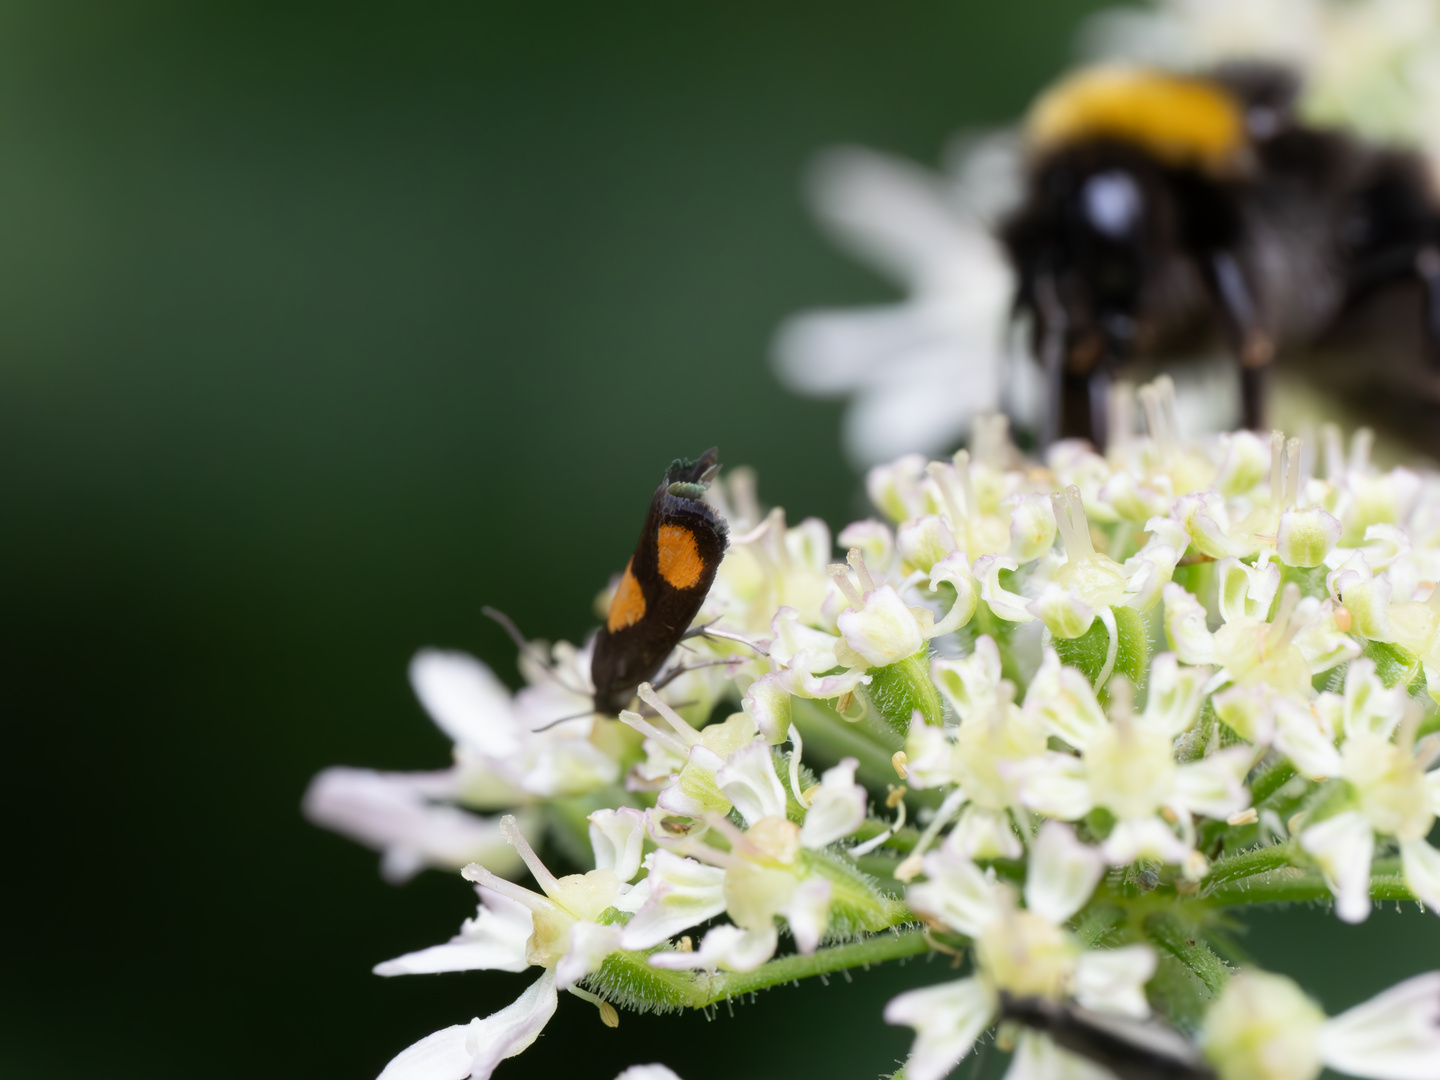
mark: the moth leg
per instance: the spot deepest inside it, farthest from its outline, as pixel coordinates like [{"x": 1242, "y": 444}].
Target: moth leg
[
  {"x": 667, "y": 677},
  {"x": 1250, "y": 341}
]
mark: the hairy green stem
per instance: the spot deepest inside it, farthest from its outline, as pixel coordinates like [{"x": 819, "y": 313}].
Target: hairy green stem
[
  {"x": 891, "y": 946},
  {"x": 1185, "y": 945},
  {"x": 1248, "y": 864}
]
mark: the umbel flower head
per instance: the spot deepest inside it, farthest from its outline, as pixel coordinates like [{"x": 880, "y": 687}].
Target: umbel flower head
[{"x": 1048, "y": 716}]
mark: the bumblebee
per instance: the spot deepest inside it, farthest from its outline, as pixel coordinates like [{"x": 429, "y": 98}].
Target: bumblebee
[{"x": 1164, "y": 211}]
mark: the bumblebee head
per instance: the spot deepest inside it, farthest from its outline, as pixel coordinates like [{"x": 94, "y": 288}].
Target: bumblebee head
[{"x": 1093, "y": 237}]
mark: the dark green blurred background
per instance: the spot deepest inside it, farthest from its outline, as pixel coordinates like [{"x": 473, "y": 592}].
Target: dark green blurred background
[{"x": 319, "y": 329}]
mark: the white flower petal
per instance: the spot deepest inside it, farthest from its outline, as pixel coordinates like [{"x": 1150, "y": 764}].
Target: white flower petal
[
  {"x": 955, "y": 570},
  {"x": 683, "y": 893},
  {"x": 726, "y": 947},
  {"x": 1421, "y": 865},
  {"x": 466, "y": 701},
  {"x": 1393, "y": 1036},
  {"x": 1174, "y": 695},
  {"x": 1149, "y": 838},
  {"x": 837, "y": 809},
  {"x": 392, "y": 813},
  {"x": 1038, "y": 1058},
  {"x": 1062, "y": 873},
  {"x": 985, "y": 834},
  {"x": 618, "y": 838},
  {"x": 1185, "y": 626},
  {"x": 808, "y": 912},
  {"x": 749, "y": 781},
  {"x": 1062, "y": 700},
  {"x": 1214, "y": 785},
  {"x": 1343, "y": 846},
  {"x": 956, "y": 892},
  {"x": 970, "y": 684},
  {"x": 590, "y": 944},
  {"x": 473, "y": 1050},
  {"x": 1113, "y": 980},
  {"x": 884, "y": 631},
  {"x": 947, "y": 1020},
  {"x": 1053, "y": 784},
  {"x": 768, "y": 703},
  {"x": 647, "y": 1072},
  {"x": 1302, "y": 735},
  {"x": 495, "y": 940},
  {"x": 897, "y": 216},
  {"x": 1012, "y": 607}
]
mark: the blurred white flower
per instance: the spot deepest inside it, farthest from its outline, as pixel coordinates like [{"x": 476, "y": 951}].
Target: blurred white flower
[
  {"x": 1263, "y": 1026},
  {"x": 919, "y": 371}
]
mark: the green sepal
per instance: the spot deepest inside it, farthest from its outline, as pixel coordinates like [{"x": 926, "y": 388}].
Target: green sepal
[
  {"x": 896, "y": 691},
  {"x": 1395, "y": 666},
  {"x": 1088, "y": 651},
  {"x": 857, "y": 903}
]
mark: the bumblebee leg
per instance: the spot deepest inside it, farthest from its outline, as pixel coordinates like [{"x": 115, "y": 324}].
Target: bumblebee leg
[
  {"x": 1427, "y": 269},
  {"x": 1249, "y": 339},
  {"x": 1099, "y": 393},
  {"x": 1051, "y": 341}
]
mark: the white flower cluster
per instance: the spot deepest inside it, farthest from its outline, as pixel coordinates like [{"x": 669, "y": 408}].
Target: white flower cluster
[{"x": 1122, "y": 692}]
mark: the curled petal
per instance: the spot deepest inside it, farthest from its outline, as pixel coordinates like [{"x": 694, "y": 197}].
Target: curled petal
[
  {"x": 955, "y": 570},
  {"x": 924, "y": 541},
  {"x": 768, "y": 703},
  {"x": 618, "y": 837},
  {"x": 1062, "y": 611},
  {"x": 884, "y": 631},
  {"x": 1244, "y": 591},
  {"x": 970, "y": 684},
  {"x": 1004, "y": 603},
  {"x": 1185, "y": 626}
]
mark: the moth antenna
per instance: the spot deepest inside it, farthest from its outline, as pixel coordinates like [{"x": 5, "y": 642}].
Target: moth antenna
[
  {"x": 554, "y": 723},
  {"x": 513, "y": 632}
]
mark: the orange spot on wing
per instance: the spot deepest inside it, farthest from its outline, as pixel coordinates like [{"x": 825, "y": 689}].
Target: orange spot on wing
[
  {"x": 627, "y": 606},
  {"x": 680, "y": 562}
]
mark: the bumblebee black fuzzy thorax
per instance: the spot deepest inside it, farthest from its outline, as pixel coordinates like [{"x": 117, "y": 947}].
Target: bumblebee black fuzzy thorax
[
  {"x": 1162, "y": 212},
  {"x": 663, "y": 585}
]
